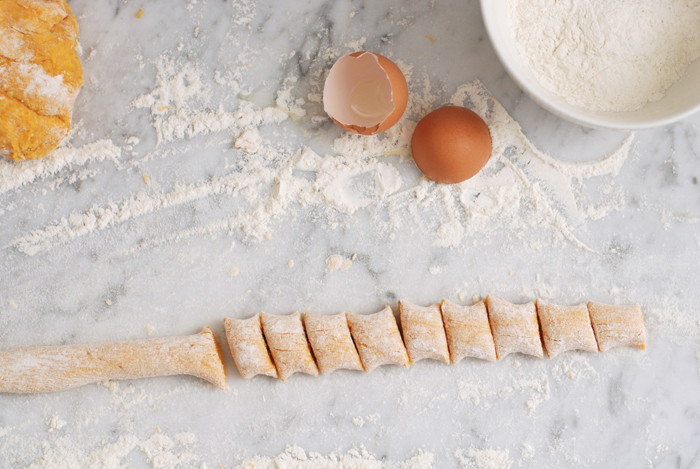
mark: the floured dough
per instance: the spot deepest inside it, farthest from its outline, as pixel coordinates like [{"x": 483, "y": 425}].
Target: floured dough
[
  {"x": 378, "y": 339},
  {"x": 515, "y": 328},
  {"x": 468, "y": 331},
  {"x": 48, "y": 369},
  {"x": 331, "y": 342},
  {"x": 565, "y": 328},
  {"x": 288, "y": 345},
  {"x": 40, "y": 76},
  {"x": 423, "y": 332},
  {"x": 616, "y": 326},
  {"x": 247, "y": 344}
]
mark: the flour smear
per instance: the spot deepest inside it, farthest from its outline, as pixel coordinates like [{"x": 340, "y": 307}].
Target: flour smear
[
  {"x": 520, "y": 188},
  {"x": 163, "y": 451}
]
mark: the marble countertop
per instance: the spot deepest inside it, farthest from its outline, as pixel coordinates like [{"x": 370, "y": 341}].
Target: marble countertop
[{"x": 180, "y": 266}]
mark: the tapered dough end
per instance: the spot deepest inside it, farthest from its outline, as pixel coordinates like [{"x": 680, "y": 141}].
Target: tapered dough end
[
  {"x": 214, "y": 366},
  {"x": 617, "y": 326},
  {"x": 378, "y": 339},
  {"x": 248, "y": 348},
  {"x": 423, "y": 332},
  {"x": 286, "y": 338}
]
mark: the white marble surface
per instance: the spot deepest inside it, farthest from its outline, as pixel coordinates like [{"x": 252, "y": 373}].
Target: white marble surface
[{"x": 625, "y": 408}]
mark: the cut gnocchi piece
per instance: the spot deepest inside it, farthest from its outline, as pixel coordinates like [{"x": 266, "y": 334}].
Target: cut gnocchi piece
[
  {"x": 331, "y": 342},
  {"x": 423, "y": 332},
  {"x": 565, "y": 328},
  {"x": 288, "y": 345},
  {"x": 617, "y": 326},
  {"x": 468, "y": 331},
  {"x": 378, "y": 339},
  {"x": 514, "y": 327},
  {"x": 247, "y": 344}
]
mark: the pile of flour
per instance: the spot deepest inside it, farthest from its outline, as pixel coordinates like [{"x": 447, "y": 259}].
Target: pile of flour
[{"x": 603, "y": 55}]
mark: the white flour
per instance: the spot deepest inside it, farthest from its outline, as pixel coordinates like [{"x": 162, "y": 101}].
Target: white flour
[
  {"x": 607, "y": 56},
  {"x": 164, "y": 452},
  {"x": 14, "y": 175},
  {"x": 490, "y": 458},
  {"x": 521, "y": 187}
]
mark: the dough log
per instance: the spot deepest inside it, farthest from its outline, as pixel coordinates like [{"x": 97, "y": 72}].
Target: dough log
[
  {"x": 49, "y": 369},
  {"x": 40, "y": 76}
]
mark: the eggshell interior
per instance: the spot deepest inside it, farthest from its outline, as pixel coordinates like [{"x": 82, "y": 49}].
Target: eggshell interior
[{"x": 348, "y": 75}]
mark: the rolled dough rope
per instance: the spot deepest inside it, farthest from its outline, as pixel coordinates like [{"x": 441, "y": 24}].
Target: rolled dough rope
[{"x": 49, "y": 369}]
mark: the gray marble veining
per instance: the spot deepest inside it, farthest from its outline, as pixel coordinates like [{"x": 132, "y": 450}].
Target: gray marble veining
[{"x": 625, "y": 408}]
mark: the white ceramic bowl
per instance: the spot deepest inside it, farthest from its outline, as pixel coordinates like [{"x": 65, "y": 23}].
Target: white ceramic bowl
[{"x": 679, "y": 101}]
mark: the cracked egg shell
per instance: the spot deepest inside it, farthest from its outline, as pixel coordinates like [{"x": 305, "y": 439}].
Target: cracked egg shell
[
  {"x": 365, "y": 93},
  {"x": 451, "y": 144}
]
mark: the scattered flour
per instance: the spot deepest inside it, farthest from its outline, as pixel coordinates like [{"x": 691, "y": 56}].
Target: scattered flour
[
  {"x": 536, "y": 387},
  {"x": 358, "y": 458},
  {"x": 469, "y": 391},
  {"x": 527, "y": 450},
  {"x": 473, "y": 458},
  {"x": 14, "y": 175},
  {"x": 55, "y": 423},
  {"x": 520, "y": 187},
  {"x": 607, "y": 56},
  {"x": 249, "y": 141},
  {"x": 358, "y": 421},
  {"x": 164, "y": 452},
  {"x": 159, "y": 450},
  {"x": 172, "y": 116}
]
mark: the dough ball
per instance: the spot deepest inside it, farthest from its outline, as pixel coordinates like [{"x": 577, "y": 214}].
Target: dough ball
[{"x": 40, "y": 76}]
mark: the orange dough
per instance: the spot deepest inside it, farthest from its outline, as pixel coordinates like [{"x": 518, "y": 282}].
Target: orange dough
[
  {"x": 40, "y": 76},
  {"x": 565, "y": 328},
  {"x": 423, "y": 332},
  {"x": 617, "y": 326},
  {"x": 515, "y": 328}
]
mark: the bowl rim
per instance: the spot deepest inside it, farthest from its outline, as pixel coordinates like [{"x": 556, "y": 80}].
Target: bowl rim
[{"x": 578, "y": 118}]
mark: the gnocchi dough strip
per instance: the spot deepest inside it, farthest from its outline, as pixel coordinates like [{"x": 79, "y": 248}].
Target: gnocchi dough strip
[{"x": 49, "y": 369}]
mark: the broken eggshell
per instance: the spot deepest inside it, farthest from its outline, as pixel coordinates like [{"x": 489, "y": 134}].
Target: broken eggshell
[{"x": 365, "y": 93}]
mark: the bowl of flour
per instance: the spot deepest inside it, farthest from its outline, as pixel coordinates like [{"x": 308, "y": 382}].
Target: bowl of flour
[{"x": 616, "y": 65}]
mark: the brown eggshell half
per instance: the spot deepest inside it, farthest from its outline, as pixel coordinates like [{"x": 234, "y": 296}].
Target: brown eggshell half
[
  {"x": 342, "y": 77},
  {"x": 451, "y": 144}
]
